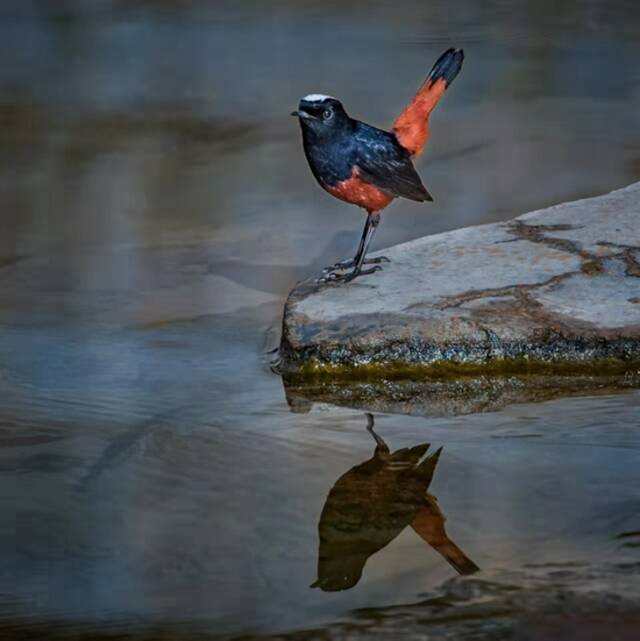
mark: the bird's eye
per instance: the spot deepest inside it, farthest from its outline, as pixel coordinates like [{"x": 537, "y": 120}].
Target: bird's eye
[{"x": 326, "y": 114}]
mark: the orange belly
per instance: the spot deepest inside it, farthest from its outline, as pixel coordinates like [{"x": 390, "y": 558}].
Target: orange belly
[{"x": 356, "y": 191}]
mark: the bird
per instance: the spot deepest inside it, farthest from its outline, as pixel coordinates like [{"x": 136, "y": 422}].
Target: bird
[
  {"x": 366, "y": 166},
  {"x": 371, "y": 504}
]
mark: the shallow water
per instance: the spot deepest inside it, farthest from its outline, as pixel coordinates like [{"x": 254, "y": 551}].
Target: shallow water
[{"x": 156, "y": 209}]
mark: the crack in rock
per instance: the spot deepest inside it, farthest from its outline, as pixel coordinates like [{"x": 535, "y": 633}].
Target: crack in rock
[{"x": 633, "y": 265}]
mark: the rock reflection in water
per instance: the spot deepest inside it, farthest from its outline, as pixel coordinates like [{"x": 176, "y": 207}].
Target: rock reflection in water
[{"x": 371, "y": 504}]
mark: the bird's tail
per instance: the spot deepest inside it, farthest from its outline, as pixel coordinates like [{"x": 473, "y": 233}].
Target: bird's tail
[
  {"x": 411, "y": 127},
  {"x": 455, "y": 557},
  {"x": 429, "y": 525},
  {"x": 446, "y": 67}
]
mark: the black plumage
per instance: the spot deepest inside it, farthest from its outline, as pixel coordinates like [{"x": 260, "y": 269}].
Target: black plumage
[{"x": 383, "y": 162}]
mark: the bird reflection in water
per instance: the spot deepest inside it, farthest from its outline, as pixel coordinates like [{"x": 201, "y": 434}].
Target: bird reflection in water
[{"x": 371, "y": 504}]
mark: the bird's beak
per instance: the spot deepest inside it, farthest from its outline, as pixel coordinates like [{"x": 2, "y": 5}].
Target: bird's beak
[{"x": 303, "y": 114}]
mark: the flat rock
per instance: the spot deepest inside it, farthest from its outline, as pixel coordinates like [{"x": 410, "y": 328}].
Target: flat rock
[{"x": 555, "y": 286}]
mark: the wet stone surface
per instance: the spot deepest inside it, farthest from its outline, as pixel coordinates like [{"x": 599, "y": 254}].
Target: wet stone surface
[
  {"x": 560, "y": 285},
  {"x": 450, "y": 396}
]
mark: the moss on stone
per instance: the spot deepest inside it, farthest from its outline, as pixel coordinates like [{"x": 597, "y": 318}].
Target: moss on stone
[{"x": 314, "y": 369}]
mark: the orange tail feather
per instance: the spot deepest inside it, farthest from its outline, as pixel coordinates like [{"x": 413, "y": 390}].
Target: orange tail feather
[
  {"x": 412, "y": 125},
  {"x": 429, "y": 525}
]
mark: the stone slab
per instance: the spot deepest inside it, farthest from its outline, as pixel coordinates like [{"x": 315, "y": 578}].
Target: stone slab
[{"x": 555, "y": 286}]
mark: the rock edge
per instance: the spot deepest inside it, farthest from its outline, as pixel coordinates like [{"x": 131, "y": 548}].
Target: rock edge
[{"x": 558, "y": 286}]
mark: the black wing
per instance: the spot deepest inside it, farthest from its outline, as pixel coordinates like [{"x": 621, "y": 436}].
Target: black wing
[{"x": 384, "y": 163}]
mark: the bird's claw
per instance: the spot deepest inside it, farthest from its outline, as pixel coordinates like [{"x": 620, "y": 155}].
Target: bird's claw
[
  {"x": 335, "y": 277},
  {"x": 347, "y": 264},
  {"x": 328, "y": 277}
]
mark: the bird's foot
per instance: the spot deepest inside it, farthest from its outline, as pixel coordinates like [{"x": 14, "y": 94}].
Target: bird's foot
[
  {"x": 348, "y": 264},
  {"x": 376, "y": 260},
  {"x": 336, "y": 277}
]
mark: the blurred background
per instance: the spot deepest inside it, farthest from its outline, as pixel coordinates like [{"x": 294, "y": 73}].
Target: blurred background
[
  {"x": 136, "y": 123},
  {"x": 156, "y": 208}
]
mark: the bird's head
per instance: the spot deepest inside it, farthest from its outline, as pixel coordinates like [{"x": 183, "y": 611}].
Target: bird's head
[{"x": 321, "y": 114}]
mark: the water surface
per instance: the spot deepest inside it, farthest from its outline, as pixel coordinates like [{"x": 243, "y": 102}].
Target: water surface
[{"x": 155, "y": 209}]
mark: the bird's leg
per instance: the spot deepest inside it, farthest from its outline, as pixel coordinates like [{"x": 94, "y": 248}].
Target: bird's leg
[
  {"x": 381, "y": 446},
  {"x": 373, "y": 219},
  {"x": 348, "y": 264}
]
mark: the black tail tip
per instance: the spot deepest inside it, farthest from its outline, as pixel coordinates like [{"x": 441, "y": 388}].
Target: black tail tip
[
  {"x": 465, "y": 566},
  {"x": 447, "y": 66}
]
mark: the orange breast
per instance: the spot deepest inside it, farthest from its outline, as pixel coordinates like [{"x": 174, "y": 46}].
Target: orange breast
[{"x": 356, "y": 191}]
